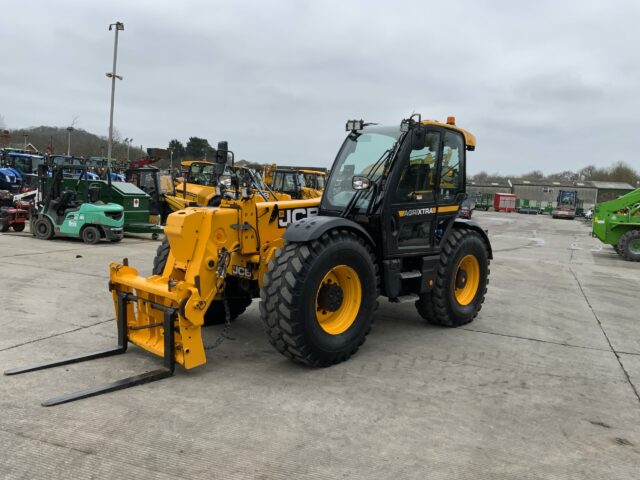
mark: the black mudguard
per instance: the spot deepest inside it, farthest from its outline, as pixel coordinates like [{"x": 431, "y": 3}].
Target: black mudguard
[
  {"x": 476, "y": 227},
  {"x": 311, "y": 228}
]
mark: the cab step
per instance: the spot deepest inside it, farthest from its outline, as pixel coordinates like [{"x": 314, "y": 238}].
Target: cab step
[
  {"x": 410, "y": 274},
  {"x": 412, "y": 297}
]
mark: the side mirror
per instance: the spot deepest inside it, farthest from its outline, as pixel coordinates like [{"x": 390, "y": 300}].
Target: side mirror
[
  {"x": 359, "y": 182},
  {"x": 418, "y": 137},
  {"x": 224, "y": 156}
]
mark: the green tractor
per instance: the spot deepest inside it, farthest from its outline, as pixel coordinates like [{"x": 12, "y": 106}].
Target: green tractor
[
  {"x": 59, "y": 212},
  {"x": 617, "y": 223}
]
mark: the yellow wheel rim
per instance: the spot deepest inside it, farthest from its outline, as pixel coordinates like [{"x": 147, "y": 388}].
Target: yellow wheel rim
[
  {"x": 338, "y": 299},
  {"x": 467, "y": 280}
]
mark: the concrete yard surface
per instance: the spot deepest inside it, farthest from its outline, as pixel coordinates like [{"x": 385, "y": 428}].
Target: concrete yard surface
[{"x": 545, "y": 383}]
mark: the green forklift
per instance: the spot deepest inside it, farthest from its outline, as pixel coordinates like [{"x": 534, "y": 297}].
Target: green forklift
[{"x": 60, "y": 211}]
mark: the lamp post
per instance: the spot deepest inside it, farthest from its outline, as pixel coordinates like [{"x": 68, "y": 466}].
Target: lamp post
[
  {"x": 112, "y": 75},
  {"x": 69, "y": 130},
  {"x": 171, "y": 162},
  {"x": 128, "y": 142}
]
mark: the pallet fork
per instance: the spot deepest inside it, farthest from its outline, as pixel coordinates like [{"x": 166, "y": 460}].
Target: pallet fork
[{"x": 123, "y": 298}]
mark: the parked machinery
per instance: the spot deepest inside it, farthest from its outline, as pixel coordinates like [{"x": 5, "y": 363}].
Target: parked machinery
[
  {"x": 60, "y": 210},
  {"x": 205, "y": 184},
  {"x": 295, "y": 182},
  {"x": 617, "y": 223},
  {"x": 566, "y": 204},
  {"x": 386, "y": 225},
  {"x": 13, "y": 212}
]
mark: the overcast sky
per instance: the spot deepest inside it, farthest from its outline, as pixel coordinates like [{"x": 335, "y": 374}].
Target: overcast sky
[{"x": 548, "y": 85}]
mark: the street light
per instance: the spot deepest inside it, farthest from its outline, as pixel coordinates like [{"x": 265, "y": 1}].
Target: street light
[
  {"x": 112, "y": 75},
  {"x": 128, "y": 142},
  {"x": 171, "y": 162},
  {"x": 69, "y": 130}
]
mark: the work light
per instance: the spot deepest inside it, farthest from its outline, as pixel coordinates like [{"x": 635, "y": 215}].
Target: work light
[{"x": 354, "y": 125}]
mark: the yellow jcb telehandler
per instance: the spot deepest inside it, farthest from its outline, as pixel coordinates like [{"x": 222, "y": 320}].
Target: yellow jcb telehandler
[
  {"x": 385, "y": 225},
  {"x": 203, "y": 185}
]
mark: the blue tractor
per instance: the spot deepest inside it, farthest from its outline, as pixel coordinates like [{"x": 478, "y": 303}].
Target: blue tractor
[{"x": 11, "y": 179}]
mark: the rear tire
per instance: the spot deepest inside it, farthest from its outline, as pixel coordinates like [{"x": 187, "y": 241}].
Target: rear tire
[
  {"x": 90, "y": 235},
  {"x": 318, "y": 298},
  {"x": 237, "y": 299},
  {"x": 4, "y": 227},
  {"x": 18, "y": 227},
  {"x": 630, "y": 246},
  {"x": 453, "y": 302},
  {"x": 43, "y": 228}
]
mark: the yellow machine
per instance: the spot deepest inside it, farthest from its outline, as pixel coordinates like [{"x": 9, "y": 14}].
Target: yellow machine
[
  {"x": 203, "y": 186},
  {"x": 385, "y": 225},
  {"x": 298, "y": 183},
  {"x": 196, "y": 188}
]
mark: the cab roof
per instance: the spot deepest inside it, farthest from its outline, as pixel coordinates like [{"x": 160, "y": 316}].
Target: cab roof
[
  {"x": 469, "y": 138},
  {"x": 188, "y": 163}
]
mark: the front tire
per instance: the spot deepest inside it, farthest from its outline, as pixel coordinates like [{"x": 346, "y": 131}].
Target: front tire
[
  {"x": 318, "y": 298},
  {"x": 18, "y": 227},
  {"x": 630, "y": 246},
  {"x": 43, "y": 228},
  {"x": 461, "y": 281}
]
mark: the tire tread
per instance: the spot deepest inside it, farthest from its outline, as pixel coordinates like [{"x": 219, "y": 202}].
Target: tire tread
[{"x": 281, "y": 293}]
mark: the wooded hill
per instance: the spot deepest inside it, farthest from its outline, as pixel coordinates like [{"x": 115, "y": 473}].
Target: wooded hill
[{"x": 83, "y": 143}]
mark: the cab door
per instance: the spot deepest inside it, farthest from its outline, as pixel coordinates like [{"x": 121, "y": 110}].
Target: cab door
[
  {"x": 410, "y": 208},
  {"x": 450, "y": 192}
]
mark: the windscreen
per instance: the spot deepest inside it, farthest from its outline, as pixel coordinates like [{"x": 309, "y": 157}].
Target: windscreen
[{"x": 359, "y": 155}]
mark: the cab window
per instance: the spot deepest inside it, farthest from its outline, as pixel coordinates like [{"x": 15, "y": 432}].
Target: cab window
[
  {"x": 289, "y": 183},
  {"x": 277, "y": 182},
  {"x": 201, "y": 174},
  {"x": 418, "y": 176},
  {"x": 452, "y": 166}
]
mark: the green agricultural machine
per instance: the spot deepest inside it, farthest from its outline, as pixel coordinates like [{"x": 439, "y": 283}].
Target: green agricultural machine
[{"x": 617, "y": 223}]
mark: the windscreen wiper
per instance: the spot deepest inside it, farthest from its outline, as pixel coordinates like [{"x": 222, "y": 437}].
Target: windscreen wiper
[{"x": 385, "y": 155}]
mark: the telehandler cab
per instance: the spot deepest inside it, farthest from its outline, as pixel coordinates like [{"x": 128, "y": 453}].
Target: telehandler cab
[
  {"x": 298, "y": 183},
  {"x": 386, "y": 225}
]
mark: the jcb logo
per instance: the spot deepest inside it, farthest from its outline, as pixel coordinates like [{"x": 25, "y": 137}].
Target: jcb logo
[
  {"x": 291, "y": 215},
  {"x": 244, "y": 272},
  {"x": 416, "y": 211}
]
